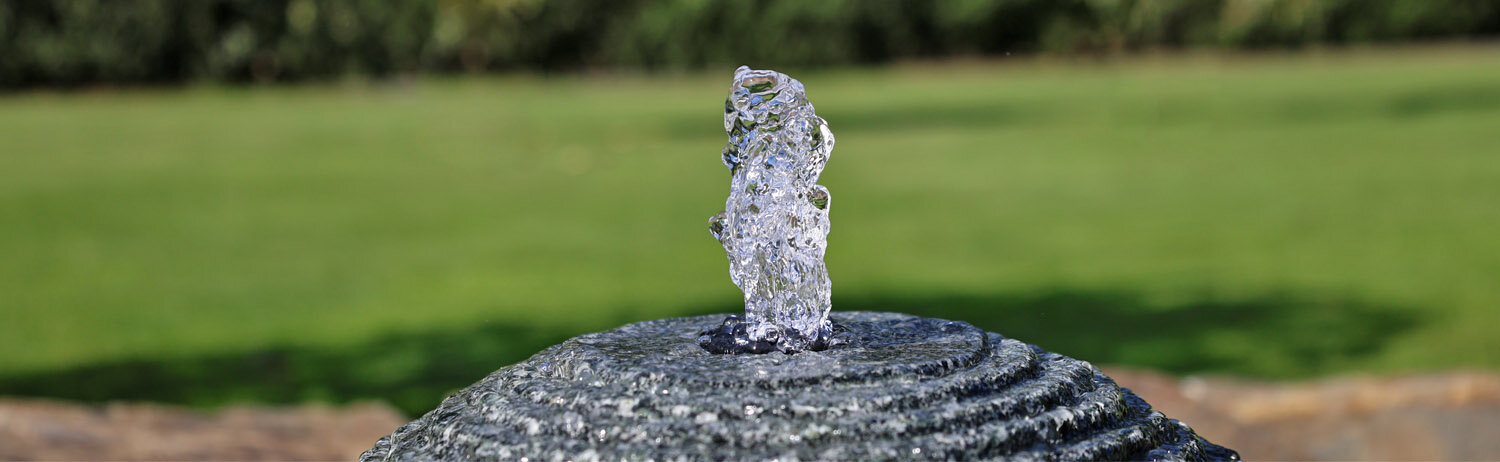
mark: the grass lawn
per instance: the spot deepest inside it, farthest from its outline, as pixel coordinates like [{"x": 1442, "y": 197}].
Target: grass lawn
[{"x": 1271, "y": 216}]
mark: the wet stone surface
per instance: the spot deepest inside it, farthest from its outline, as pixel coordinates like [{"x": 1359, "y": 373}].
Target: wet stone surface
[
  {"x": 734, "y": 337},
  {"x": 895, "y": 386}
]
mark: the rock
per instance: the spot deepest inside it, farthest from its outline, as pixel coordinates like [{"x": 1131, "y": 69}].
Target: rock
[{"x": 898, "y": 386}]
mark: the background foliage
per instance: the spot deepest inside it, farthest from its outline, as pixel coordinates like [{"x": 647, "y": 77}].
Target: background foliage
[{"x": 73, "y": 42}]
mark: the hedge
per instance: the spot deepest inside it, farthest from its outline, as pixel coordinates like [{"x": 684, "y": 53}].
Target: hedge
[{"x": 78, "y": 42}]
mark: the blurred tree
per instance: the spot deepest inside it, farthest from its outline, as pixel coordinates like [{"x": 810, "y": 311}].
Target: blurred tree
[{"x": 76, "y": 42}]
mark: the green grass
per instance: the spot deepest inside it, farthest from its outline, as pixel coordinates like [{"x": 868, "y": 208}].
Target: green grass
[{"x": 1271, "y": 216}]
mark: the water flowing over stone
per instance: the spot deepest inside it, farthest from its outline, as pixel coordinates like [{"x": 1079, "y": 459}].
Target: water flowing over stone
[
  {"x": 894, "y": 387},
  {"x": 774, "y": 226}
]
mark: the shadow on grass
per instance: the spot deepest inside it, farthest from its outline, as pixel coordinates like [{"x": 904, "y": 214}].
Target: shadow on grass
[
  {"x": 1273, "y": 336},
  {"x": 411, "y": 371}
]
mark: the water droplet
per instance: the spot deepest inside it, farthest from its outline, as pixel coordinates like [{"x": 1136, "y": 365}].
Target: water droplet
[
  {"x": 819, "y": 197},
  {"x": 716, "y": 225}
]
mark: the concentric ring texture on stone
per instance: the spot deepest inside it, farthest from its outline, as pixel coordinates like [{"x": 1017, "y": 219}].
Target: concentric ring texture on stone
[{"x": 900, "y": 386}]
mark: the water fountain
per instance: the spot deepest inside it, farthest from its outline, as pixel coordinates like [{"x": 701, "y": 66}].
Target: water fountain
[{"x": 787, "y": 380}]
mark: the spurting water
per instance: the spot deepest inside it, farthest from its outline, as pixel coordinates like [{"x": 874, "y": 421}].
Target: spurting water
[{"x": 775, "y": 223}]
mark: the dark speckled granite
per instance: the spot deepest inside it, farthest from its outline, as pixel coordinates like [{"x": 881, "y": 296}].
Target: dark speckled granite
[{"x": 894, "y": 386}]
